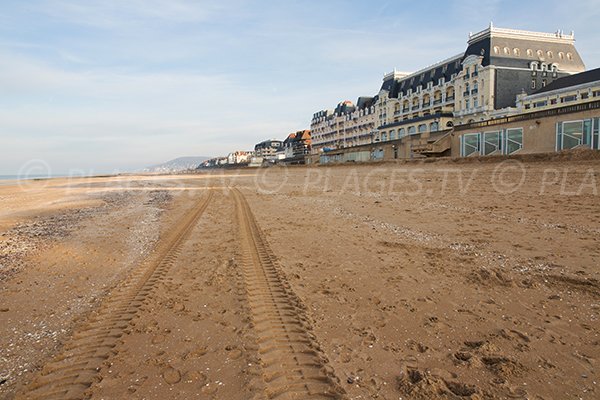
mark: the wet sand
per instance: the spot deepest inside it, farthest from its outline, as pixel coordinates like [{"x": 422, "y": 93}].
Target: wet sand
[{"x": 412, "y": 281}]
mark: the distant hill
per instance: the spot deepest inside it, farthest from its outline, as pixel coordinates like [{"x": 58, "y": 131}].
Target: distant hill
[{"x": 176, "y": 165}]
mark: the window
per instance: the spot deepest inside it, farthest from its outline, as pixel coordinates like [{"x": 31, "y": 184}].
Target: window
[
  {"x": 383, "y": 136},
  {"x": 392, "y": 134},
  {"x": 513, "y": 140},
  {"x": 550, "y": 54},
  {"x": 544, "y": 82},
  {"x": 422, "y": 128},
  {"x": 506, "y": 51},
  {"x": 517, "y": 52},
  {"x": 540, "y": 53},
  {"x": 412, "y": 130},
  {"x": 467, "y": 104},
  {"x": 492, "y": 142},
  {"x": 469, "y": 144},
  {"x": 441, "y": 81},
  {"x": 401, "y": 133},
  {"x": 434, "y": 127},
  {"x": 475, "y": 102},
  {"x": 569, "y": 56},
  {"x": 571, "y": 134},
  {"x": 596, "y": 134},
  {"x": 561, "y": 55},
  {"x": 567, "y": 99},
  {"x": 533, "y": 83}
]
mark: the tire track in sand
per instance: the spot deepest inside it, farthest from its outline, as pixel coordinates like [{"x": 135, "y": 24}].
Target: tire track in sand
[
  {"x": 292, "y": 364},
  {"x": 75, "y": 368}
]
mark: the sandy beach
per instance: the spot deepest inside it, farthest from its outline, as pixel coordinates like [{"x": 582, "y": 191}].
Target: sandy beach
[{"x": 473, "y": 280}]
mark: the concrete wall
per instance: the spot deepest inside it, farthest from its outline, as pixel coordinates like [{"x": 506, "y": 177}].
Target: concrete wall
[{"x": 539, "y": 135}]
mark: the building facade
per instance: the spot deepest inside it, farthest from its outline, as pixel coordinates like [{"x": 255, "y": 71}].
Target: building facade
[
  {"x": 297, "y": 146},
  {"x": 484, "y": 82},
  {"x": 346, "y": 126},
  {"x": 268, "y": 149},
  {"x": 500, "y": 64},
  {"x": 563, "y": 115}
]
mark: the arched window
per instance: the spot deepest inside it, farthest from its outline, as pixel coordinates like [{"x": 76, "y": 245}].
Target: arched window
[
  {"x": 412, "y": 130},
  {"x": 422, "y": 128},
  {"x": 401, "y": 133},
  {"x": 392, "y": 134},
  {"x": 434, "y": 127}
]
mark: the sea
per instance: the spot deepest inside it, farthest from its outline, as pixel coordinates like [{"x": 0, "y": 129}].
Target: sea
[{"x": 19, "y": 177}]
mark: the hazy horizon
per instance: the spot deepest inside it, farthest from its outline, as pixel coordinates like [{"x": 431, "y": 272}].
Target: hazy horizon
[{"x": 111, "y": 86}]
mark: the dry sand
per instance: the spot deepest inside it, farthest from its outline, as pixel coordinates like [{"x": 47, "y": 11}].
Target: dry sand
[{"x": 412, "y": 281}]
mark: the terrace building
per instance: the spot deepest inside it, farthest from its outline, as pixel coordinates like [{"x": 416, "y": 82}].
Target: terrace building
[
  {"x": 347, "y": 126},
  {"x": 416, "y": 112}
]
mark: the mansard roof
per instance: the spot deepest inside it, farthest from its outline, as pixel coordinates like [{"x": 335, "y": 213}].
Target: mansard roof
[
  {"x": 365, "y": 102},
  {"x": 397, "y": 87},
  {"x": 511, "y": 48}
]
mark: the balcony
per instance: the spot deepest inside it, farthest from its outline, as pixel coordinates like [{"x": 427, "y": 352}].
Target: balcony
[
  {"x": 427, "y": 104},
  {"x": 466, "y": 93},
  {"x": 405, "y": 109},
  {"x": 415, "y": 107},
  {"x": 436, "y": 102},
  {"x": 474, "y": 91},
  {"x": 449, "y": 98}
]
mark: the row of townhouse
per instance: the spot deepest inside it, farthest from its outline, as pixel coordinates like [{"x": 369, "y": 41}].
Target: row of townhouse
[
  {"x": 292, "y": 150},
  {"x": 502, "y": 73}
]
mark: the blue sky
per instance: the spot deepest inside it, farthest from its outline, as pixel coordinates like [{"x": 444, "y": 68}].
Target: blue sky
[{"x": 99, "y": 86}]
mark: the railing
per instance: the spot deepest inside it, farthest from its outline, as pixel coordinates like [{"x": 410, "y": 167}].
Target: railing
[
  {"x": 474, "y": 91},
  {"x": 415, "y": 107},
  {"x": 427, "y": 104},
  {"x": 435, "y": 102},
  {"x": 466, "y": 93},
  {"x": 406, "y": 109},
  {"x": 594, "y": 105},
  {"x": 449, "y": 98}
]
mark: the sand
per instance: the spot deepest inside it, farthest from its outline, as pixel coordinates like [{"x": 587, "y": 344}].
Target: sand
[{"x": 414, "y": 281}]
